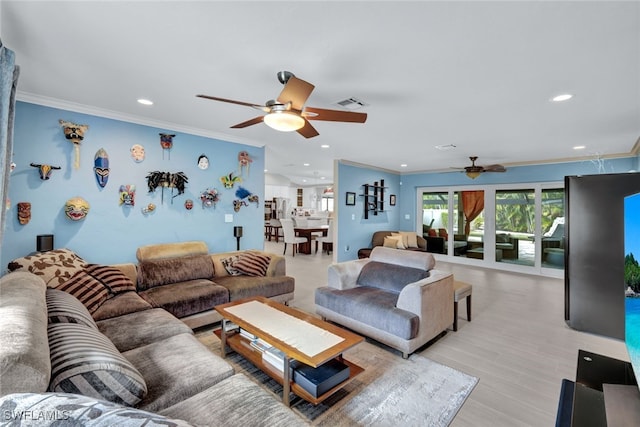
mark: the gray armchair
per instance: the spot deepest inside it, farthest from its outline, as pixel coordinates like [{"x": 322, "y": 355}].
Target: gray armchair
[{"x": 394, "y": 296}]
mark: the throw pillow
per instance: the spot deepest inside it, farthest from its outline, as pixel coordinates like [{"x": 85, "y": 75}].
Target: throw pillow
[
  {"x": 432, "y": 233},
  {"x": 66, "y": 409},
  {"x": 391, "y": 277},
  {"x": 393, "y": 242},
  {"x": 84, "y": 361},
  {"x": 404, "y": 238},
  {"x": 411, "y": 239},
  {"x": 252, "y": 263},
  {"x": 55, "y": 267},
  {"x": 88, "y": 290},
  {"x": 502, "y": 238},
  {"x": 65, "y": 308},
  {"x": 111, "y": 277},
  {"x": 228, "y": 264}
]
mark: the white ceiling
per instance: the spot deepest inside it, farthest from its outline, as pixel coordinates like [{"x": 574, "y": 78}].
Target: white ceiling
[{"x": 476, "y": 74}]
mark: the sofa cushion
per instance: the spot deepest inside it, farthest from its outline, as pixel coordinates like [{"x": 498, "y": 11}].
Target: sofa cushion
[
  {"x": 410, "y": 238},
  {"x": 84, "y": 361},
  {"x": 252, "y": 263},
  {"x": 245, "y": 403},
  {"x": 173, "y": 376},
  {"x": 173, "y": 270},
  {"x": 390, "y": 277},
  {"x": 412, "y": 258},
  {"x": 246, "y": 286},
  {"x": 121, "y": 304},
  {"x": 187, "y": 298},
  {"x": 111, "y": 277},
  {"x": 76, "y": 410},
  {"x": 87, "y": 289},
  {"x": 372, "y": 306},
  {"x": 171, "y": 250},
  {"x": 55, "y": 267},
  {"x": 24, "y": 354},
  {"x": 147, "y": 326},
  {"x": 65, "y": 308}
]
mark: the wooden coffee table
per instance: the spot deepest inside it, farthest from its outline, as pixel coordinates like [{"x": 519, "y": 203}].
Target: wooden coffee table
[{"x": 242, "y": 345}]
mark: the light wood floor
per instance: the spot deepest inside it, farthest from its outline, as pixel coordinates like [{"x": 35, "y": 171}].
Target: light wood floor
[{"x": 517, "y": 342}]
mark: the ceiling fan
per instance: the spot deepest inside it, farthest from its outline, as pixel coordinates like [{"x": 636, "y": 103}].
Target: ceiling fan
[
  {"x": 288, "y": 112},
  {"x": 474, "y": 170}
]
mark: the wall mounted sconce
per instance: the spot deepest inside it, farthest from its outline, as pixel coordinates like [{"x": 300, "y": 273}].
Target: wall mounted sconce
[
  {"x": 237, "y": 233},
  {"x": 44, "y": 242}
]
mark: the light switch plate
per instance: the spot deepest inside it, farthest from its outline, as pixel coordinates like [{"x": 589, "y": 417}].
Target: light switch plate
[{"x": 228, "y": 218}]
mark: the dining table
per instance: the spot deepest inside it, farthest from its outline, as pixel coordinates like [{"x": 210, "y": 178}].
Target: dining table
[{"x": 307, "y": 231}]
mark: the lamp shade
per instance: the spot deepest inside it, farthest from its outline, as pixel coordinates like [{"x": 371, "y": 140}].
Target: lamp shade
[
  {"x": 473, "y": 174},
  {"x": 284, "y": 121},
  {"x": 44, "y": 242},
  {"x": 237, "y": 231}
]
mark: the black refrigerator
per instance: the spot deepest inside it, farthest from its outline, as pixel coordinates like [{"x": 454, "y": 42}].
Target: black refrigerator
[{"x": 594, "y": 251}]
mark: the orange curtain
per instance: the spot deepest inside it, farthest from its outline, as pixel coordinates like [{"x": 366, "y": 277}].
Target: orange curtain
[{"x": 472, "y": 206}]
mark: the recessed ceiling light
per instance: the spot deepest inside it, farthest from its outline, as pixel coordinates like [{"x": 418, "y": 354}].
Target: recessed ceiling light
[
  {"x": 562, "y": 97},
  {"x": 145, "y": 101},
  {"x": 266, "y": 170},
  {"x": 579, "y": 147},
  {"x": 305, "y": 164},
  {"x": 322, "y": 177},
  {"x": 404, "y": 165},
  {"x": 304, "y": 180},
  {"x": 445, "y": 147},
  {"x": 324, "y": 146}
]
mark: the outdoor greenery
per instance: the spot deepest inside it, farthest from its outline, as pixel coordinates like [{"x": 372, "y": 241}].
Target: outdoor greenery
[{"x": 631, "y": 273}]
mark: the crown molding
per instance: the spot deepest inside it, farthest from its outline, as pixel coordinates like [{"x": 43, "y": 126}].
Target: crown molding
[{"x": 115, "y": 115}]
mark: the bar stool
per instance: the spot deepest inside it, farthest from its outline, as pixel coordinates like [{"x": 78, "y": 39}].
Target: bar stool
[{"x": 461, "y": 290}]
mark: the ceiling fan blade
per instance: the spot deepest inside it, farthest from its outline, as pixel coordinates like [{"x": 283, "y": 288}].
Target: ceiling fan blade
[
  {"x": 495, "y": 168},
  {"x": 308, "y": 131},
  {"x": 295, "y": 91},
  {"x": 253, "y": 121},
  {"x": 335, "y": 115},
  {"x": 231, "y": 101}
]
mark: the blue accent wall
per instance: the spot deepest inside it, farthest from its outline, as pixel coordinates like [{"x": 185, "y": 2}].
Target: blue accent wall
[
  {"x": 354, "y": 232},
  {"x": 111, "y": 233},
  {"x": 357, "y": 233}
]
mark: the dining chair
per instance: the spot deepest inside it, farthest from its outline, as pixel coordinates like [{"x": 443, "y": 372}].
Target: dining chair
[
  {"x": 315, "y": 223},
  {"x": 327, "y": 241},
  {"x": 290, "y": 236}
]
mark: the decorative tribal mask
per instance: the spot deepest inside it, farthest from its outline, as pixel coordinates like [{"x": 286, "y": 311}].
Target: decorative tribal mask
[
  {"x": 45, "y": 170},
  {"x": 127, "y": 195},
  {"x": 76, "y": 209},
  {"x": 24, "y": 212},
  {"x": 75, "y": 134},
  {"x": 244, "y": 161},
  {"x": 101, "y": 167}
]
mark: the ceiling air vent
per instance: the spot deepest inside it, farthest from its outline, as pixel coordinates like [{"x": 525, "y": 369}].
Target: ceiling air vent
[{"x": 351, "y": 103}]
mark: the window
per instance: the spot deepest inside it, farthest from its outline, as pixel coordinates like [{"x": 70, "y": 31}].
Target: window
[{"x": 515, "y": 226}]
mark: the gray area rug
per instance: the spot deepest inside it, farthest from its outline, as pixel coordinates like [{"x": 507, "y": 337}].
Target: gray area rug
[{"x": 391, "y": 391}]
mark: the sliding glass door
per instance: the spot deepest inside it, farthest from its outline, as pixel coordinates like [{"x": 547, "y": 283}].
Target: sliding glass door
[{"x": 515, "y": 227}]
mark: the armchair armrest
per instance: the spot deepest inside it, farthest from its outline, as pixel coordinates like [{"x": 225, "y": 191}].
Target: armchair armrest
[
  {"x": 344, "y": 275},
  {"x": 432, "y": 300}
]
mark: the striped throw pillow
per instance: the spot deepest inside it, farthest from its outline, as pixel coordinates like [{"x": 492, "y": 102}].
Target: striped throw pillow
[
  {"x": 111, "y": 277},
  {"x": 65, "y": 308},
  {"x": 84, "y": 361},
  {"x": 89, "y": 291},
  {"x": 252, "y": 263}
]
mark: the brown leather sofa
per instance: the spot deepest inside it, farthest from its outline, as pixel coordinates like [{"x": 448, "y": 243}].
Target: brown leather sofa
[{"x": 377, "y": 239}]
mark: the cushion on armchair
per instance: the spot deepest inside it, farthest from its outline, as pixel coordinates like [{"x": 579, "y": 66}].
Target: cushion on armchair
[
  {"x": 390, "y": 277},
  {"x": 414, "y": 259}
]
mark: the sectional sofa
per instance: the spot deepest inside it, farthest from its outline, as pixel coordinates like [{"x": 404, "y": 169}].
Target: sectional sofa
[{"x": 119, "y": 361}]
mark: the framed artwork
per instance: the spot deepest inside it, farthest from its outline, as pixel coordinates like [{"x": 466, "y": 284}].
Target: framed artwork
[
  {"x": 392, "y": 200},
  {"x": 351, "y": 198}
]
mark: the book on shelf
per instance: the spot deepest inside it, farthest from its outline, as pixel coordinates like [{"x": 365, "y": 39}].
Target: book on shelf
[
  {"x": 260, "y": 345},
  {"x": 274, "y": 357},
  {"x": 230, "y": 326},
  {"x": 248, "y": 335}
]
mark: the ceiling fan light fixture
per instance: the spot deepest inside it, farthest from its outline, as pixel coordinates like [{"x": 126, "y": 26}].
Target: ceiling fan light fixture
[
  {"x": 284, "y": 121},
  {"x": 473, "y": 174}
]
